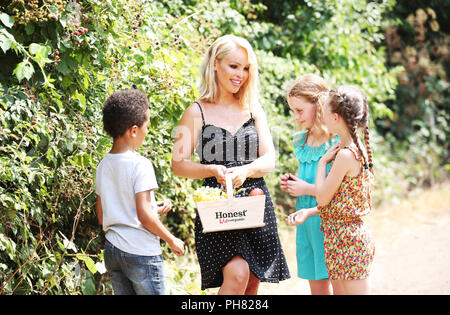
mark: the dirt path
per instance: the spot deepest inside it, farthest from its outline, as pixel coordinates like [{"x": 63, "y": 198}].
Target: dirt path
[{"x": 412, "y": 248}]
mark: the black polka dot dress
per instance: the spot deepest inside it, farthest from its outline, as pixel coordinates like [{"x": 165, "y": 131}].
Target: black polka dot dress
[{"x": 260, "y": 247}]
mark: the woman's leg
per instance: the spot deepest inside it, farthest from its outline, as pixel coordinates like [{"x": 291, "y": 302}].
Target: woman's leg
[
  {"x": 236, "y": 274},
  {"x": 253, "y": 285}
]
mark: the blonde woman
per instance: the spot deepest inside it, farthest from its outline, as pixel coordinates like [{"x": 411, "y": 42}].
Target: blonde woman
[{"x": 228, "y": 129}]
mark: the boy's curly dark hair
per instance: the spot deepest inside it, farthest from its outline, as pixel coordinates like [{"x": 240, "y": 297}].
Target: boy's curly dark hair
[{"x": 124, "y": 109}]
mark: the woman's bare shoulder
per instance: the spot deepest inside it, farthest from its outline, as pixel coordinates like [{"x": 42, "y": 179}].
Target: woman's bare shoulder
[
  {"x": 257, "y": 112},
  {"x": 192, "y": 111}
]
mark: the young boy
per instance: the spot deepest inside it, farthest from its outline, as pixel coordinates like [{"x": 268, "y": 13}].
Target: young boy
[{"x": 126, "y": 206}]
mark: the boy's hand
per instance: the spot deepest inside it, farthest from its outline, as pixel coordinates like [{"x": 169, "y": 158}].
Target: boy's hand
[
  {"x": 164, "y": 206},
  {"x": 177, "y": 246}
]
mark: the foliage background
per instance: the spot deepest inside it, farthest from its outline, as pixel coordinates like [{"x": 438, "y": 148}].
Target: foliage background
[{"x": 60, "y": 60}]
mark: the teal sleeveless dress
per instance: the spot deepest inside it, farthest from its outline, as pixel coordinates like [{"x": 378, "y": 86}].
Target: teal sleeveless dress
[{"x": 309, "y": 238}]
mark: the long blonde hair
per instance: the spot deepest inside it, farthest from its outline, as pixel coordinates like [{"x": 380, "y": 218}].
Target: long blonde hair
[
  {"x": 248, "y": 93},
  {"x": 314, "y": 88}
]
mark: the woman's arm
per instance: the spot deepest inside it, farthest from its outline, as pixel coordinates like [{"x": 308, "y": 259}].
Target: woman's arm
[{"x": 186, "y": 139}]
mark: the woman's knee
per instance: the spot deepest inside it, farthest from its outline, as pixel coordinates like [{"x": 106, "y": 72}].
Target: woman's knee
[{"x": 237, "y": 271}]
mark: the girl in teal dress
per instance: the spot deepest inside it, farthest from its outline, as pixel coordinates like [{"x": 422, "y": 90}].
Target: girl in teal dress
[{"x": 309, "y": 146}]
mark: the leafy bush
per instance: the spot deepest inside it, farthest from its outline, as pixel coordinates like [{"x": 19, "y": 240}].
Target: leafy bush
[
  {"x": 52, "y": 137},
  {"x": 421, "y": 122}
]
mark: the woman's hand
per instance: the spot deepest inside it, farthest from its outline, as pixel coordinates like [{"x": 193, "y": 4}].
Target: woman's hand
[
  {"x": 238, "y": 175},
  {"x": 164, "y": 206},
  {"x": 218, "y": 171}
]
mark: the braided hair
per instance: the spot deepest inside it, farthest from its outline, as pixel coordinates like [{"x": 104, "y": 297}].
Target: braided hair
[{"x": 351, "y": 104}]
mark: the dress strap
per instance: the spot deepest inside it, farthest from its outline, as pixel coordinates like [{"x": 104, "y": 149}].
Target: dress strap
[
  {"x": 201, "y": 111},
  {"x": 251, "y": 115},
  {"x": 355, "y": 153}
]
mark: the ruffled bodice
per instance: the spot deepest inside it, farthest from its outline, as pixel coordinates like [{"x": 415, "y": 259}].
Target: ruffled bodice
[
  {"x": 307, "y": 154},
  {"x": 308, "y": 162}
]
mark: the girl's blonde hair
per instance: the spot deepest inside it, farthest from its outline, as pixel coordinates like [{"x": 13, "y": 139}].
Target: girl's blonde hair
[
  {"x": 314, "y": 88},
  {"x": 209, "y": 91}
]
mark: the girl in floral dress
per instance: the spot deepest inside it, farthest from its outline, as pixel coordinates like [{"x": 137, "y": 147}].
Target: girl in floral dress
[{"x": 343, "y": 196}]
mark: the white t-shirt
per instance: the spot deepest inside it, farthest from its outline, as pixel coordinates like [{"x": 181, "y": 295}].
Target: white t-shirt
[{"x": 119, "y": 177}]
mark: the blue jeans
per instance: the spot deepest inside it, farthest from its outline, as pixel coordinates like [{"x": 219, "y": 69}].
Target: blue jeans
[{"x": 134, "y": 274}]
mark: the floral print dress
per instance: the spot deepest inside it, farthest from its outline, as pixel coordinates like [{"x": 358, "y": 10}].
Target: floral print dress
[{"x": 349, "y": 246}]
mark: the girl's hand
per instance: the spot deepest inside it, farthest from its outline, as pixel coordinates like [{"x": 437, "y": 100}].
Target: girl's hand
[
  {"x": 297, "y": 187},
  {"x": 330, "y": 154},
  {"x": 297, "y": 218},
  {"x": 300, "y": 216},
  {"x": 283, "y": 181},
  {"x": 164, "y": 206},
  {"x": 238, "y": 175},
  {"x": 294, "y": 185}
]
